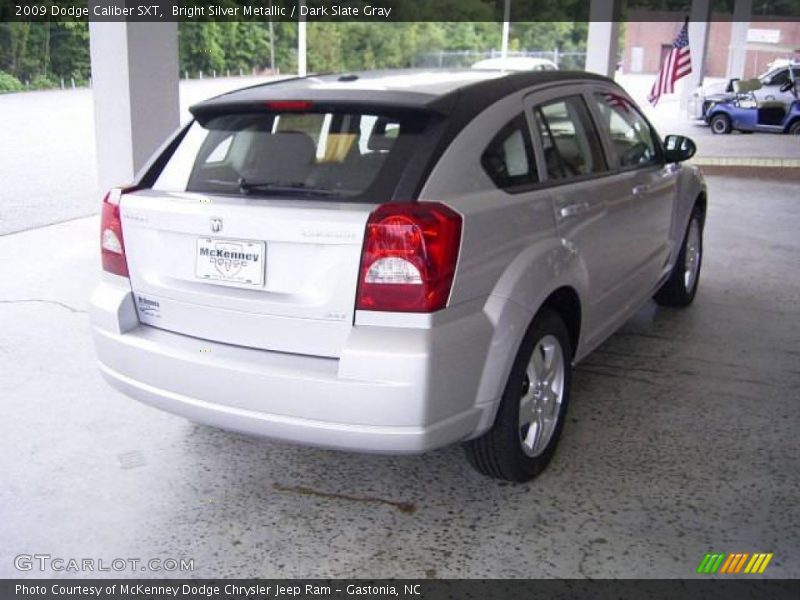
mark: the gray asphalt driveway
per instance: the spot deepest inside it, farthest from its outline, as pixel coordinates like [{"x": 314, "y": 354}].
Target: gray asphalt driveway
[{"x": 47, "y": 152}]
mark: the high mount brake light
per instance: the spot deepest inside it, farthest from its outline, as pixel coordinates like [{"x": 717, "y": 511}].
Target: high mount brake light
[
  {"x": 289, "y": 105},
  {"x": 409, "y": 257},
  {"x": 112, "y": 245}
]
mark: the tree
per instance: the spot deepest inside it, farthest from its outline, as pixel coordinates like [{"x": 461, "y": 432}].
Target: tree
[
  {"x": 200, "y": 47},
  {"x": 45, "y": 52}
]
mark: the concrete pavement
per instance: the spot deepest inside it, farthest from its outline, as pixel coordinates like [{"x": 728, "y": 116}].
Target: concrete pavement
[
  {"x": 681, "y": 439},
  {"x": 48, "y": 152}
]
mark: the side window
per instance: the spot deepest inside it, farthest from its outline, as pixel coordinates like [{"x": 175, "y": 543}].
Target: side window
[
  {"x": 779, "y": 78},
  {"x": 571, "y": 147},
  {"x": 508, "y": 159},
  {"x": 631, "y": 136}
]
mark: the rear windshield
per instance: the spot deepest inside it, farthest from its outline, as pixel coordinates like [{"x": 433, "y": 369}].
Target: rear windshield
[{"x": 343, "y": 154}]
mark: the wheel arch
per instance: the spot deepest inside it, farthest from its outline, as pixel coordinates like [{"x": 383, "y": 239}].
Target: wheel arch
[
  {"x": 718, "y": 110},
  {"x": 514, "y": 322},
  {"x": 567, "y": 304},
  {"x": 791, "y": 124},
  {"x": 701, "y": 202}
]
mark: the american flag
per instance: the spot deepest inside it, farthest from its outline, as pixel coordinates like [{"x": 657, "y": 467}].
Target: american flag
[{"x": 677, "y": 64}]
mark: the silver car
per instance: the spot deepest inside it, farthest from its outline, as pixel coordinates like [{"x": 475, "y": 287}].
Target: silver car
[{"x": 394, "y": 261}]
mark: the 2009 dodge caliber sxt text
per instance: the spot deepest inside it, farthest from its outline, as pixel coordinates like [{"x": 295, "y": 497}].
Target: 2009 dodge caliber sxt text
[{"x": 394, "y": 261}]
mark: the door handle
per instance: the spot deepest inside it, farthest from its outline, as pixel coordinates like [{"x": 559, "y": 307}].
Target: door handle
[
  {"x": 574, "y": 209},
  {"x": 640, "y": 190}
]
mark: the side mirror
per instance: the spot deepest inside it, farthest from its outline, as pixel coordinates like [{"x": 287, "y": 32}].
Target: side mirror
[
  {"x": 787, "y": 86},
  {"x": 679, "y": 148}
]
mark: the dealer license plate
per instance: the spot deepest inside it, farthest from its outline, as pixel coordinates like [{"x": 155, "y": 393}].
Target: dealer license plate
[{"x": 231, "y": 261}]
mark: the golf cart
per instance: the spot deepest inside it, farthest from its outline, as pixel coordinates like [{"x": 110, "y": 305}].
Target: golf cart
[
  {"x": 715, "y": 92},
  {"x": 747, "y": 114}
]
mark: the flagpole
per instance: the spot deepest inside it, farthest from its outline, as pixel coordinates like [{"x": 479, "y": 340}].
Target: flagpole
[{"x": 699, "y": 27}]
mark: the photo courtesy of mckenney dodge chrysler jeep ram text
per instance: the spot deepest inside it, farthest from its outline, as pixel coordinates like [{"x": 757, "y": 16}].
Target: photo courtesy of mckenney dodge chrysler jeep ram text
[{"x": 394, "y": 261}]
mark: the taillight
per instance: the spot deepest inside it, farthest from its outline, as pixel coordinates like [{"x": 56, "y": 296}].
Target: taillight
[
  {"x": 409, "y": 257},
  {"x": 112, "y": 245}
]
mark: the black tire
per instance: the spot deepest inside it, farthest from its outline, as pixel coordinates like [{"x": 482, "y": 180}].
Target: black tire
[
  {"x": 720, "y": 124},
  {"x": 794, "y": 128},
  {"x": 677, "y": 291},
  {"x": 499, "y": 452}
]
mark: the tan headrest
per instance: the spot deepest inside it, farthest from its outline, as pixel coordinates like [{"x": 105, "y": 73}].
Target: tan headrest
[
  {"x": 771, "y": 104},
  {"x": 744, "y": 86}
]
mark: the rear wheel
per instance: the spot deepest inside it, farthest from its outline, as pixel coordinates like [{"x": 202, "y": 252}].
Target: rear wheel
[
  {"x": 794, "y": 128},
  {"x": 720, "y": 124},
  {"x": 530, "y": 418},
  {"x": 681, "y": 287}
]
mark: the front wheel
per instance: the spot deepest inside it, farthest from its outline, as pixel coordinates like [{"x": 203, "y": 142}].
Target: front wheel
[
  {"x": 529, "y": 420},
  {"x": 681, "y": 287},
  {"x": 794, "y": 128},
  {"x": 720, "y": 124}
]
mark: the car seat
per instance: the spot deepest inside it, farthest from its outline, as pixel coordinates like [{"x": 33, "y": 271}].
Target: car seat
[{"x": 283, "y": 158}]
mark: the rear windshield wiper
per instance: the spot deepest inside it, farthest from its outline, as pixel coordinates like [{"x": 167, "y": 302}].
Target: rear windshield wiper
[{"x": 282, "y": 187}]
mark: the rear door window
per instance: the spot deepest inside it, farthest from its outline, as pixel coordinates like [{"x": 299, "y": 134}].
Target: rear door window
[
  {"x": 314, "y": 154},
  {"x": 569, "y": 141}
]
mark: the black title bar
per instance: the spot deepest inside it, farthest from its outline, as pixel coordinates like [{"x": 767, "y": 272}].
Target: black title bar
[
  {"x": 365, "y": 10},
  {"x": 408, "y": 589}
]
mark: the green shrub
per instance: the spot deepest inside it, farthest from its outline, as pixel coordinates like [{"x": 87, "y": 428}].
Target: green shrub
[
  {"x": 42, "y": 82},
  {"x": 9, "y": 83}
]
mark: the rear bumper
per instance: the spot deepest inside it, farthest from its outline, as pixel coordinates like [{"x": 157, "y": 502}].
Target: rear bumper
[{"x": 392, "y": 390}]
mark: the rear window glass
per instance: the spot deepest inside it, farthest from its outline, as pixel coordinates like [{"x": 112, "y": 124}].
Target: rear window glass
[
  {"x": 314, "y": 154},
  {"x": 508, "y": 159}
]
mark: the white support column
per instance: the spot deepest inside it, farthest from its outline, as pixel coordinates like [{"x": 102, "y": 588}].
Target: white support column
[
  {"x": 135, "y": 89},
  {"x": 699, "y": 27},
  {"x": 602, "y": 43},
  {"x": 301, "y": 44},
  {"x": 506, "y": 27},
  {"x": 737, "y": 51}
]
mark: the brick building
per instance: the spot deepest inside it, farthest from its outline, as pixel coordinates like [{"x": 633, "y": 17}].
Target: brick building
[{"x": 649, "y": 35}]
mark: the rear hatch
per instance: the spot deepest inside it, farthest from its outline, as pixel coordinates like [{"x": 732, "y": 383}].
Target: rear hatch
[{"x": 253, "y": 230}]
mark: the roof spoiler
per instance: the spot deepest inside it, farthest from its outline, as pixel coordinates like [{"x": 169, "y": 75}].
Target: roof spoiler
[{"x": 205, "y": 111}]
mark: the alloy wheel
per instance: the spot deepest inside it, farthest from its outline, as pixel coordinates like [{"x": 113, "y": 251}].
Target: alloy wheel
[
  {"x": 693, "y": 250},
  {"x": 542, "y": 393}
]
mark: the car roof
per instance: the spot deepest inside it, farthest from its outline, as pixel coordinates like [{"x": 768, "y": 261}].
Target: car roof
[
  {"x": 513, "y": 62},
  {"x": 436, "y": 90},
  {"x": 781, "y": 67},
  {"x": 447, "y": 100}
]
